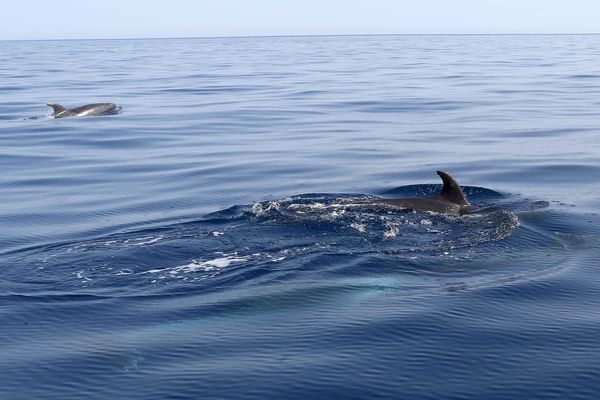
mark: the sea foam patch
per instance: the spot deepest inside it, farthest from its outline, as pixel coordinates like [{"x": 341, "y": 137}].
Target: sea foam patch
[{"x": 202, "y": 266}]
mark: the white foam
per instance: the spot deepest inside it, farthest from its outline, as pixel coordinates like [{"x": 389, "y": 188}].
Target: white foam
[
  {"x": 316, "y": 206},
  {"x": 154, "y": 271},
  {"x": 124, "y": 272},
  {"x": 359, "y": 227},
  {"x": 391, "y": 231},
  {"x": 147, "y": 240},
  {"x": 258, "y": 209},
  {"x": 80, "y": 276},
  {"x": 203, "y": 266}
]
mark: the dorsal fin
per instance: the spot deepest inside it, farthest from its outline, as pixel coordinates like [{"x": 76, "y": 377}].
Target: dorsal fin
[
  {"x": 58, "y": 109},
  {"x": 452, "y": 191}
]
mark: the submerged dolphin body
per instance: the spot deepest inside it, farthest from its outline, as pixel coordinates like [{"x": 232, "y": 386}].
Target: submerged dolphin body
[
  {"x": 84, "y": 111},
  {"x": 452, "y": 200}
]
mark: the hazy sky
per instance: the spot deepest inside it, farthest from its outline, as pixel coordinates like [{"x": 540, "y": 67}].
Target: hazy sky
[{"x": 73, "y": 19}]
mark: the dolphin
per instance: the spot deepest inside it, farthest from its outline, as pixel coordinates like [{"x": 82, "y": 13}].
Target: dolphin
[
  {"x": 451, "y": 200},
  {"x": 84, "y": 111}
]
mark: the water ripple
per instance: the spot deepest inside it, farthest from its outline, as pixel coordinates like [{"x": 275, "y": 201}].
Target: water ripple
[{"x": 168, "y": 252}]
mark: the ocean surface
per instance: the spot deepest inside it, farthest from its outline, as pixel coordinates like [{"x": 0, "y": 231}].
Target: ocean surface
[{"x": 215, "y": 239}]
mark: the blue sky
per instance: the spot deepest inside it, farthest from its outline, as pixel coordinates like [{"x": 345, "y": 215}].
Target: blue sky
[{"x": 77, "y": 19}]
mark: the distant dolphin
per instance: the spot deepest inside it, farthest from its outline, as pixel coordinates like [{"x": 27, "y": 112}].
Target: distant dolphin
[
  {"x": 84, "y": 111},
  {"x": 452, "y": 200}
]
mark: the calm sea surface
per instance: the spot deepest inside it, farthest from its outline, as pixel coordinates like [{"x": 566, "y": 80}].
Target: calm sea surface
[{"x": 213, "y": 241}]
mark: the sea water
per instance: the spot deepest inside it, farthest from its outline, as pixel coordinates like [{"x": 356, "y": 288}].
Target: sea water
[{"x": 216, "y": 239}]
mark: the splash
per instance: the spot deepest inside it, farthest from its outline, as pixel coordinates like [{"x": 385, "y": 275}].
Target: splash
[
  {"x": 355, "y": 217},
  {"x": 276, "y": 239}
]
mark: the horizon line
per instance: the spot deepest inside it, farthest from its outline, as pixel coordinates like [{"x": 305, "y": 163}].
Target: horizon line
[{"x": 299, "y": 35}]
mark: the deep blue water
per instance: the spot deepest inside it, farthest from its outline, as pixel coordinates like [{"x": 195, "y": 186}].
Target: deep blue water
[{"x": 214, "y": 241}]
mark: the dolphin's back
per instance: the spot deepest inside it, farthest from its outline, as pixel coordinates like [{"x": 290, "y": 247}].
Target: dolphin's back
[
  {"x": 94, "y": 109},
  {"x": 436, "y": 204},
  {"x": 84, "y": 111},
  {"x": 451, "y": 200}
]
